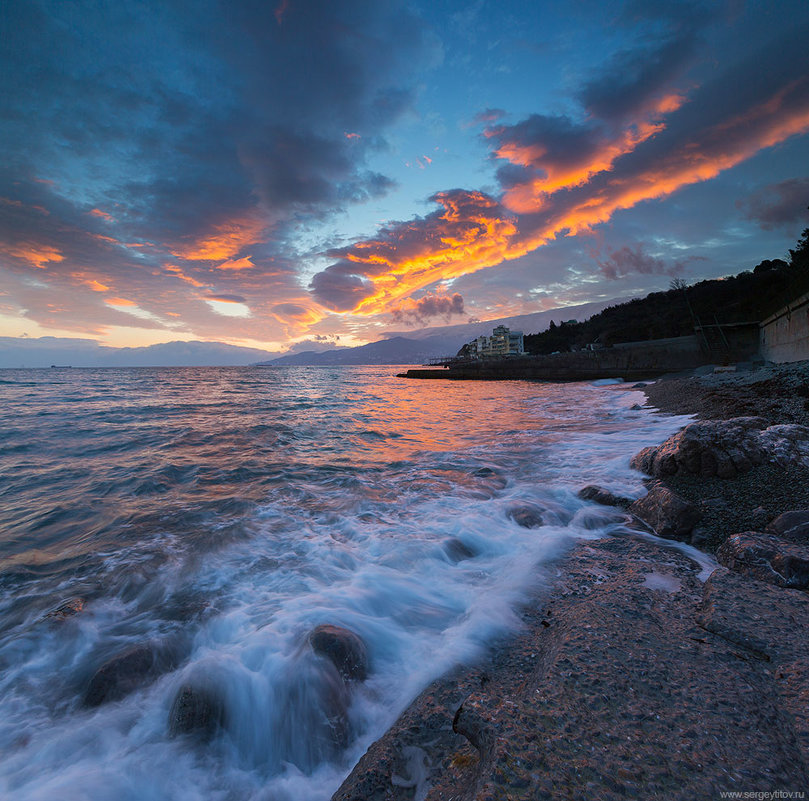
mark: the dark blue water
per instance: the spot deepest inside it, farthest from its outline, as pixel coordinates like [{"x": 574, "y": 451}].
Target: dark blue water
[{"x": 222, "y": 513}]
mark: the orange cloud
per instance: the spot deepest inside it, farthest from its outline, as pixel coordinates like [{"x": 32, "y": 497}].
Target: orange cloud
[
  {"x": 556, "y": 174},
  {"x": 173, "y": 268},
  {"x": 36, "y": 255},
  {"x": 225, "y": 242},
  {"x": 563, "y": 197},
  {"x": 103, "y": 214},
  {"x": 237, "y": 264},
  {"x": 471, "y": 232},
  {"x": 96, "y": 286},
  {"x": 122, "y": 302}
]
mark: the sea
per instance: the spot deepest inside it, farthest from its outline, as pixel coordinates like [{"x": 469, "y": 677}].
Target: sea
[{"x": 218, "y": 515}]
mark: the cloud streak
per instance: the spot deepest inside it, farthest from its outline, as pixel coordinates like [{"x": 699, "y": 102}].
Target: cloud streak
[{"x": 562, "y": 177}]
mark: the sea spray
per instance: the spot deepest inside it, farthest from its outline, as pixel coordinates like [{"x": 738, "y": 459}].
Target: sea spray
[{"x": 226, "y": 513}]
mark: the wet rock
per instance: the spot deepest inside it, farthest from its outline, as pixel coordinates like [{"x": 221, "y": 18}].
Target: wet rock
[
  {"x": 66, "y": 610},
  {"x": 128, "y": 671},
  {"x": 603, "y": 496},
  {"x": 484, "y": 472},
  {"x": 639, "y": 385},
  {"x": 667, "y": 513},
  {"x": 526, "y": 516},
  {"x": 767, "y": 558},
  {"x": 472, "y": 721},
  {"x": 196, "y": 710},
  {"x": 457, "y": 551},
  {"x": 754, "y": 615},
  {"x": 723, "y": 448},
  {"x": 792, "y": 526},
  {"x": 314, "y": 725},
  {"x": 635, "y": 407},
  {"x": 345, "y": 649}
]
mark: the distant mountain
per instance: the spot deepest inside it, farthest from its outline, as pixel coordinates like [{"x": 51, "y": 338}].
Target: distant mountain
[
  {"x": 418, "y": 347},
  {"x": 64, "y": 351},
  {"x": 527, "y": 323},
  {"x": 397, "y": 350}
]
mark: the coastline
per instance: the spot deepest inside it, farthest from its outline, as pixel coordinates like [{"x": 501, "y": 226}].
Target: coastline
[
  {"x": 633, "y": 676},
  {"x": 780, "y": 395}
]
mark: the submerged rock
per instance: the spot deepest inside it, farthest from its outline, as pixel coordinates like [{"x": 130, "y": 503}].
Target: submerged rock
[
  {"x": 526, "y": 516},
  {"x": 196, "y": 710},
  {"x": 457, "y": 551},
  {"x": 314, "y": 725},
  {"x": 667, "y": 513},
  {"x": 792, "y": 526},
  {"x": 768, "y": 558},
  {"x": 345, "y": 649},
  {"x": 128, "y": 671},
  {"x": 68, "y": 609},
  {"x": 603, "y": 496}
]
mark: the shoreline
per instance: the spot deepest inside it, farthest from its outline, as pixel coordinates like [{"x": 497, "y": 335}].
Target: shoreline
[{"x": 633, "y": 676}]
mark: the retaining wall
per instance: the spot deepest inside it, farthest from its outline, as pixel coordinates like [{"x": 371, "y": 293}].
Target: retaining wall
[{"x": 785, "y": 334}]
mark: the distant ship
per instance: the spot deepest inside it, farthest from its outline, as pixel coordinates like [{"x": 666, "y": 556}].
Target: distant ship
[{"x": 61, "y": 366}]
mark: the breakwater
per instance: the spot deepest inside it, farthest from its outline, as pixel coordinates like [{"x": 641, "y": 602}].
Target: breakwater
[{"x": 631, "y": 365}]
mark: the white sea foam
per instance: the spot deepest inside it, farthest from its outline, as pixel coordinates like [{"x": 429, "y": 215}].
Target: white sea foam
[{"x": 420, "y": 555}]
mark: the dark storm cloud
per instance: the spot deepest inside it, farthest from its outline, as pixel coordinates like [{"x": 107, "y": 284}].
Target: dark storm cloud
[
  {"x": 429, "y": 306},
  {"x": 633, "y": 258},
  {"x": 183, "y": 147},
  {"x": 181, "y": 117},
  {"x": 634, "y": 76},
  {"x": 341, "y": 286},
  {"x": 777, "y": 205}
]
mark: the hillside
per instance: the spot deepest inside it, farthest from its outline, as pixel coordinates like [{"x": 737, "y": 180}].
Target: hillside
[{"x": 750, "y": 296}]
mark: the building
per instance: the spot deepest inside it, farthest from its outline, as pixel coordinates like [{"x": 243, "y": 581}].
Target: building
[{"x": 502, "y": 342}]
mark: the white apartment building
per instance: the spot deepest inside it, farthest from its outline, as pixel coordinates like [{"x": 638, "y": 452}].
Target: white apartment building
[{"x": 502, "y": 342}]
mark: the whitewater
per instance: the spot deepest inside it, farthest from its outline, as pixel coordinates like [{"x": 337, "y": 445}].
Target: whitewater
[{"x": 218, "y": 515}]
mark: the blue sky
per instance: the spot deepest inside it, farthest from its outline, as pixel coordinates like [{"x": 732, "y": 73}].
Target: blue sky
[{"x": 271, "y": 173}]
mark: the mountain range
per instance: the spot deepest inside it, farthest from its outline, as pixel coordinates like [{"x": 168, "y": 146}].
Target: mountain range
[{"x": 400, "y": 347}]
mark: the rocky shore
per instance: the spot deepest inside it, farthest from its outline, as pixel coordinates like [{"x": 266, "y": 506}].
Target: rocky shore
[{"x": 646, "y": 669}]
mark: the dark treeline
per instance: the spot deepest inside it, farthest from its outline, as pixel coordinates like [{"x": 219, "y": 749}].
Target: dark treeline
[{"x": 750, "y": 296}]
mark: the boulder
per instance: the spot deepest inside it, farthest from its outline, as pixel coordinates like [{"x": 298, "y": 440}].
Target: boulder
[
  {"x": 766, "y": 557},
  {"x": 603, "y": 496},
  {"x": 786, "y": 445},
  {"x": 792, "y": 526},
  {"x": 127, "y": 671},
  {"x": 666, "y": 512},
  {"x": 196, "y": 710},
  {"x": 345, "y": 649},
  {"x": 457, "y": 551},
  {"x": 723, "y": 448},
  {"x": 526, "y": 516}
]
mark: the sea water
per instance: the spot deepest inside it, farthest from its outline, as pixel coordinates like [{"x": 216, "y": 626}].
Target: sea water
[{"x": 222, "y": 513}]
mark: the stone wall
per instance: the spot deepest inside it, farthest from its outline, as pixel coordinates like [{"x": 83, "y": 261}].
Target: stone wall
[{"x": 785, "y": 334}]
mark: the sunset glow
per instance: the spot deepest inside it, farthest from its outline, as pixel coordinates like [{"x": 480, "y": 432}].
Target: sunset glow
[{"x": 370, "y": 187}]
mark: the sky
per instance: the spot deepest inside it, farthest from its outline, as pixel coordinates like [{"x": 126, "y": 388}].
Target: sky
[{"x": 298, "y": 173}]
